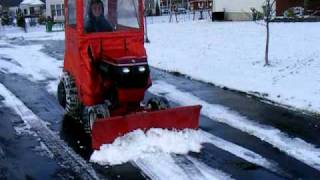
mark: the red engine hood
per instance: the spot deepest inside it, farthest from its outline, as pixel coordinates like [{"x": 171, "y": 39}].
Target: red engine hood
[{"x": 118, "y": 50}]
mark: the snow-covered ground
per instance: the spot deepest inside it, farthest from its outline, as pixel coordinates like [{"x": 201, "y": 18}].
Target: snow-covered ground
[
  {"x": 231, "y": 54},
  {"x": 33, "y": 33},
  {"x": 295, "y": 147}
]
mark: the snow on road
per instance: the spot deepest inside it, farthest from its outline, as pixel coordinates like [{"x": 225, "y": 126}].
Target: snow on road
[
  {"x": 30, "y": 62},
  {"x": 138, "y": 146},
  {"x": 231, "y": 54},
  {"x": 295, "y": 147},
  {"x": 208, "y": 172},
  {"x": 57, "y": 147},
  {"x": 162, "y": 166}
]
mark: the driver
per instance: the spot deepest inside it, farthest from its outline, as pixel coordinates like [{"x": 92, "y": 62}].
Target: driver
[{"x": 96, "y": 21}]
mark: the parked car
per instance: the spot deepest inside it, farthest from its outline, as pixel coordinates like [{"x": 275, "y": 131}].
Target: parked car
[
  {"x": 181, "y": 11},
  {"x": 165, "y": 11},
  {"x": 294, "y": 12}
]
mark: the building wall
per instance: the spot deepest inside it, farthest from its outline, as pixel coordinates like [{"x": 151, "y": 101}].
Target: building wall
[
  {"x": 237, "y": 16},
  {"x": 237, "y": 10},
  {"x": 26, "y": 9},
  {"x": 12, "y": 11},
  {"x": 237, "y": 5},
  {"x": 57, "y": 14}
]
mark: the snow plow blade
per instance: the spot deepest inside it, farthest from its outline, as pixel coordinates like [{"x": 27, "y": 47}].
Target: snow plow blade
[{"x": 105, "y": 131}]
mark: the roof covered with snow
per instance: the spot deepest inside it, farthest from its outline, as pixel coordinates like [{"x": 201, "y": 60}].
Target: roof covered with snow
[{"x": 32, "y": 2}]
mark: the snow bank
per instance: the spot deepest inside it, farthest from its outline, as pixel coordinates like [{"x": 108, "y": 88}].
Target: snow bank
[
  {"x": 154, "y": 149},
  {"x": 33, "y": 33},
  {"x": 138, "y": 144},
  {"x": 293, "y": 146},
  {"x": 31, "y": 2}
]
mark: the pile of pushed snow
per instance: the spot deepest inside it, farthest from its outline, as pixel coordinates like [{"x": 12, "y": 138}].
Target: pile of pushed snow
[{"x": 139, "y": 144}]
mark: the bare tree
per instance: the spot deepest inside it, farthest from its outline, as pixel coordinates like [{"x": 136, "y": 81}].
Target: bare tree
[
  {"x": 306, "y": 4},
  {"x": 269, "y": 12}
]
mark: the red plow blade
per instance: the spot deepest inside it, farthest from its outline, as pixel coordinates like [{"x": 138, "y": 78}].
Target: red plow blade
[{"x": 105, "y": 131}]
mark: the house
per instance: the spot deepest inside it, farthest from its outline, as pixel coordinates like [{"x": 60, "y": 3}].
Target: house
[
  {"x": 150, "y": 7},
  {"x": 10, "y": 6},
  {"x": 199, "y": 4},
  {"x": 236, "y": 10},
  {"x": 32, "y": 8},
  {"x": 55, "y": 9},
  {"x": 308, "y": 5}
]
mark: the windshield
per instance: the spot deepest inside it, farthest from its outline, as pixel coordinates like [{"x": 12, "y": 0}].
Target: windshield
[{"x": 110, "y": 15}]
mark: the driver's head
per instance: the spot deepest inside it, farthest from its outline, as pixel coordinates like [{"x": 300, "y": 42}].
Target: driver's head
[{"x": 96, "y": 8}]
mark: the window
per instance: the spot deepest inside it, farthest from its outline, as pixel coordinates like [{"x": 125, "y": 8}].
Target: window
[
  {"x": 25, "y": 12},
  {"x": 72, "y": 12},
  {"x": 128, "y": 13},
  {"x": 58, "y": 7},
  {"x": 53, "y": 10},
  {"x": 110, "y": 15},
  {"x": 63, "y": 9},
  {"x": 31, "y": 10}
]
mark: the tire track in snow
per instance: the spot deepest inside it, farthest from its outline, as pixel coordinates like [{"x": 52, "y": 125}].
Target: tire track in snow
[
  {"x": 1, "y": 152},
  {"x": 207, "y": 171},
  {"x": 66, "y": 157},
  {"x": 243, "y": 153},
  {"x": 193, "y": 166},
  {"x": 163, "y": 166},
  {"x": 294, "y": 147}
]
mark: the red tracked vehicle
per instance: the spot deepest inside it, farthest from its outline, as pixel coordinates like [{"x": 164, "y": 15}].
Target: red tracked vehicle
[{"x": 106, "y": 74}]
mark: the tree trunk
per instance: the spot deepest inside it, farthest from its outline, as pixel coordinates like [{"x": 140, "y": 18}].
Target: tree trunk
[
  {"x": 267, "y": 45},
  {"x": 306, "y": 5}
]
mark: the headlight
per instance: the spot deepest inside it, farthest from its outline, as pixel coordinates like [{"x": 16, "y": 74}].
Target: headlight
[
  {"x": 125, "y": 70},
  {"x": 142, "y": 69}
]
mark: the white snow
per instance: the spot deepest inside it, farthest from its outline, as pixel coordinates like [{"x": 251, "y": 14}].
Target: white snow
[
  {"x": 30, "y": 62},
  {"x": 33, "y": 33},
  {"x": 164, "y": 167},
  {"x": 241, "y": 152},
  {"x": 32, "y": 2},
  {"x": 138, "y": 144},
  {"x": 39, "y": 127},
  {"x": 231, "y": 54},
  {"x": 295, "y": 147},
  {"x": 208, "y": 172}
]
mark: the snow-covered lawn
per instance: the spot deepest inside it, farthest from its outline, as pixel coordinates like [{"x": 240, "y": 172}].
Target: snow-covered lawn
[
  {"x": 231, "y": 54},
  {"x": 33, "y": 33}
]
